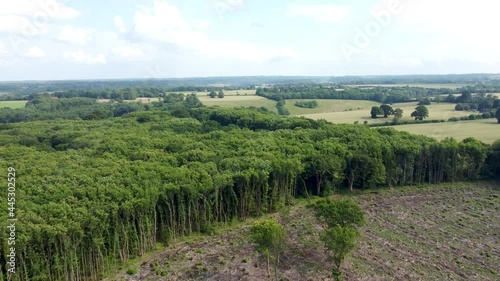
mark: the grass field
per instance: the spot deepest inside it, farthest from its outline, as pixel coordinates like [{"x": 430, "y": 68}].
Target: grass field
[
  {"x": 436, "y": 112},
  {"x": 486, "y": 130},
  {"x": 13, "y": 104},
  {"x": 229, "y": 93},
  {"x": 422, "y": 85},
  {"x": 236, "y": 101},
  {"x": 326, "y": 106},
  {"x": 445, "y": 232}
]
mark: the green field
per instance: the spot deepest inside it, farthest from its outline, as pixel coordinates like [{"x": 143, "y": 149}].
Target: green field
[
  {"x": 436, "y": 112},
  {"x": 228, "y": 93},
  {"x": 485, "y": 130},
  {"x": 327, "y": 106},
  {"x": 236, "y": 101},
  {"x": 422, "y": 85},
  {"x": 13, "y": 104}
]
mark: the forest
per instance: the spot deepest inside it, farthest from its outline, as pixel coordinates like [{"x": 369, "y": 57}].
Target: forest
[{"x": 99, "y": 184}]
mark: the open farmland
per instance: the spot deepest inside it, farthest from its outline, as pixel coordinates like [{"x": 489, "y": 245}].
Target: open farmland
[
  {"x": 446, "y": 232},
  {"x": 437, "y": 111},
  {"x": 13, "y": 104},
  {"x": 485, "y": 130},
  {"x": 422, "y": 85},
  {"x": 326, "y": 106},
  {"x": 228, "y": 93},
  {"x": 236, "y": 101}
]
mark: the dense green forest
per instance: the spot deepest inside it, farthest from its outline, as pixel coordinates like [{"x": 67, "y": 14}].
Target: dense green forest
[{"x": 95, "y": 191}]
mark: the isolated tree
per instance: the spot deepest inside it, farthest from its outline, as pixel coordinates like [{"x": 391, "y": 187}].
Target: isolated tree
[
  {"x": 398, "y": 113},
  {"x": 498, "y": 115},
  {"x": 450, "y": 98},
  {"x": 220, "y": 94},
  {"x": 420, "y": 113},
  {"x": 375, "y": 111},
  {"x": 213, "y": 94},
  {"x": 269, "y": 237},
  {"x": 339, "y": 218},
  {"x": 339, "y": 241},
  {"x": 386, "y": 110}
]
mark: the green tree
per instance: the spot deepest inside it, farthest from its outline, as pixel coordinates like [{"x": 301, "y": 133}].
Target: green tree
[
  {"x": 339, "y": 217},
  {"x": 339, "y": 241},
  {"x": 420, "y": 113},
  {"x": 375, "y": 111},
  {"x": 498, "y": 115},
  {"x": 212, "y": 94},
  {"x": 386, "y": 110},
  {"x": 220, "y": 95},
  {"x": 398, "y": 113},
  {"x": 269, "y": 237}
]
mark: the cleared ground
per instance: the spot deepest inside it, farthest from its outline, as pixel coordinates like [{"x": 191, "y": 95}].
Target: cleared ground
[
  {"x": 327, "y": 106},
  {"x": 485, "y": 130},
  {"x": 13, "y": 104},
  {"x": 446, "y": 232}
]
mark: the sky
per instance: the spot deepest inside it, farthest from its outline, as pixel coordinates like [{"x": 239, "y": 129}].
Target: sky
[{"x": 117, "y": 39}]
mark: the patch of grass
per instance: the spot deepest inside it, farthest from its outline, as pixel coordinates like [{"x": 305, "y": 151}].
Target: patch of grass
[
  {"x": 13, "y": 104},
  {"x": 132, "y": 271}
]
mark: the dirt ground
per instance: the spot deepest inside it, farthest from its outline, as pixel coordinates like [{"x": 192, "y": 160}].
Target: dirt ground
[{"x": 449, "y": 232}]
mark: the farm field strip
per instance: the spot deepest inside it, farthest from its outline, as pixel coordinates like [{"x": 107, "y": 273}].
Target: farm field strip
[
  {"x": 485, "y": 130},
  {"x": 13, "y": 104}
]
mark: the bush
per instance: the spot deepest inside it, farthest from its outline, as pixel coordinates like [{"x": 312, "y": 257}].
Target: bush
[{"x": 132, "y": 271}]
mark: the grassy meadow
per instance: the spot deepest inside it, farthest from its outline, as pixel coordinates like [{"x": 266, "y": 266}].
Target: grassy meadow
[
  {"x": 13, "y": 104},
  {"x": 237, "y": 101},
  {"x": 437, "y": 111},
  {"x": 328, "y": 106},
  {"x": 422, "y": 85},
  {"x": 485, "y": 130}
]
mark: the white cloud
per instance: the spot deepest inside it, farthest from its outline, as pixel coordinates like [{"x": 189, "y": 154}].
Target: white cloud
[
  {"x": 120, "y": 24},
  {"x": 38, "y": 9},
  {"x": 21, "y": 25},
  {"x": 319, "y": 12},
  {"x": 3, "y": 50},
  {"x": 127, "y": 52},
  {"x": 82, "y": 57},
  {"x": 34, "y": 52},
  {"x": 165, "y": 23},
  {"x": 74, "y": 35}
]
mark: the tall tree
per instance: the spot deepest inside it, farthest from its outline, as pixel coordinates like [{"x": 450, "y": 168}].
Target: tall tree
[
  {"x": 421, "y": 112},
  {"x": 375, "y": 111},
  {"x": 386, "y": 110},
  {"x": 339, "y": 217},
  {"x": 398, "y": 113},
  {"x": 212, "y": 94},
  {"x": 498, "y": 115},
  {"x": 220, "y": 95}
]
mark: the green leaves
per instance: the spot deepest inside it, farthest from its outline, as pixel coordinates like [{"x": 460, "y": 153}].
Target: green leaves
[
  {"x": 267, "y": 234},
  {"x": 339, "y": 212}
]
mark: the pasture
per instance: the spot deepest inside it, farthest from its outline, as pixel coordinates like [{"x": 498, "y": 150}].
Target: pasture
[
  {"x": 13, "y": 104},
  {"x": 422, "y": 85},
  {"x": 237, "y": 101},
  {"x": 327, "y": 106},
  {"x": 485, "y": 130},
  {"x": 437, "y": 111},
  {"x": 228, "y": 93}
]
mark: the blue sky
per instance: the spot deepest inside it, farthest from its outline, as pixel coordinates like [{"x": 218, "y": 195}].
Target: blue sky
[{"x": 108, "y": 39}]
